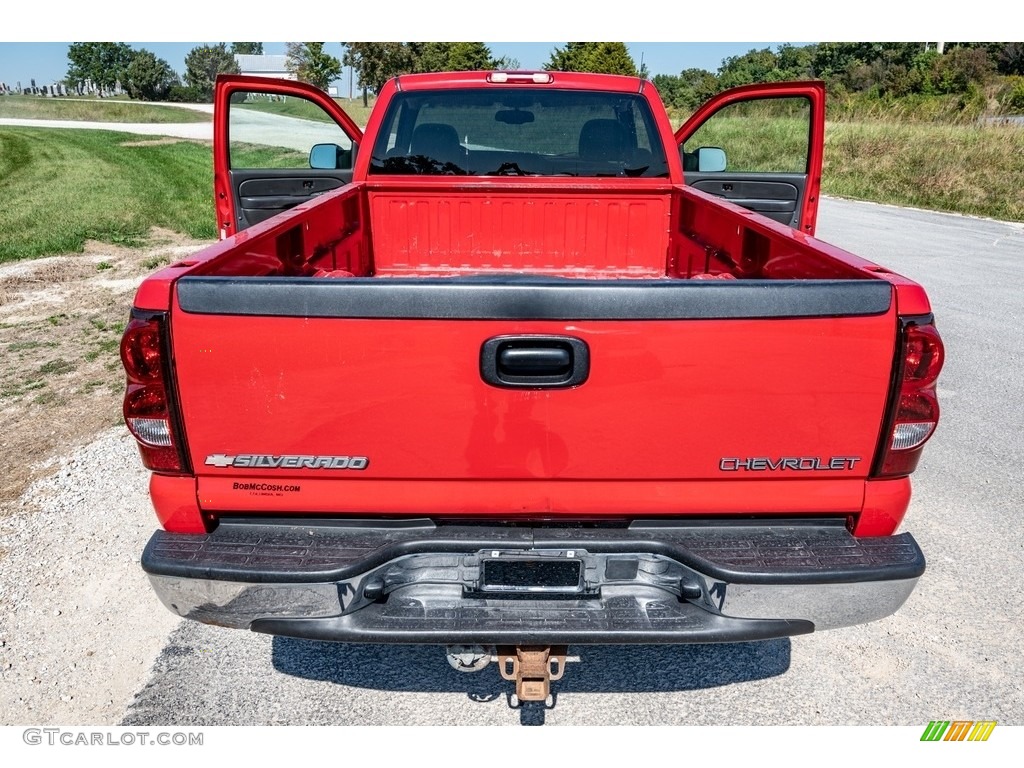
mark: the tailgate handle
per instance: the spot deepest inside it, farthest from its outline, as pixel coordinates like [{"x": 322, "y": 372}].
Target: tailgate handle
[{"x": 534, "y": 362}]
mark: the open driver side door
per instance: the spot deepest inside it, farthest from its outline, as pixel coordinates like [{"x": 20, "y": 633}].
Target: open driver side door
[
  {"x": 760, "y": 146},
  {"x": 277, "y": 143}
]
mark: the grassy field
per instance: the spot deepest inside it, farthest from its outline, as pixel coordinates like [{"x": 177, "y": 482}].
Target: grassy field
[
  {"x": 975, "y": 169},
  {"x": 99, "y": 110},
  {"x": 778, "y": 145},
  {"x": 63, "y": 187}
]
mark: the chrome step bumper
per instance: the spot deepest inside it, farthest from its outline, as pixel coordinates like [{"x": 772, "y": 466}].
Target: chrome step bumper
[{"x": 416, "y": 582}]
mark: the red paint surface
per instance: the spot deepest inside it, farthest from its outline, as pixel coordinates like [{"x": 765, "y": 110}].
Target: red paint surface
[
  {"x": 665, "y": 402},
  {"x": 174, "y": 499},
  {"x": 885, "y": 504}
]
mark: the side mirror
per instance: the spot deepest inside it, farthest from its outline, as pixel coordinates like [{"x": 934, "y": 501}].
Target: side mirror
[
  {"x": 711, "y": 160},
  {"x": 329, "y": 157}
]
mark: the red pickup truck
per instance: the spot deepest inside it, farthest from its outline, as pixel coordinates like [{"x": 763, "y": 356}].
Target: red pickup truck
[{"x": 519, "y": 367}]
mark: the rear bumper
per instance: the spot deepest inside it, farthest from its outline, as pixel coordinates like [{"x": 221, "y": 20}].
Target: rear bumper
[{"x": 415, "y": 582}]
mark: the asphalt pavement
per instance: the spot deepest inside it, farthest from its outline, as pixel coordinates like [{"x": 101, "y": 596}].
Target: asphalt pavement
[
  {"x": 247, "y": 125},
  {"x": 952, "y": 652}
]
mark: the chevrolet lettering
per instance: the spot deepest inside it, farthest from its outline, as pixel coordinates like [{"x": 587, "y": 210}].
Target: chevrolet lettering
[{"x": 794, "y": 463}]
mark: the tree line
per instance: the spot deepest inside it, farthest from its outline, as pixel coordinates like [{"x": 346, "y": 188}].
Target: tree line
[
  {"x": 873, "y": 70},
  {"x": 145, "y": 76},
  {"x": 376, "y": 63}
]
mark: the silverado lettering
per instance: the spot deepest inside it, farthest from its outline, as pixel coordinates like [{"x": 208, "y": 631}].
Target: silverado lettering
[
  {"x": 260, "y": 461},
  {"x": 609, "y": 374}
]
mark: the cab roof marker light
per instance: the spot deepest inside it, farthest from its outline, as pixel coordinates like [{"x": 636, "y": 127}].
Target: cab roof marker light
[{"x": 520, "y": 77}]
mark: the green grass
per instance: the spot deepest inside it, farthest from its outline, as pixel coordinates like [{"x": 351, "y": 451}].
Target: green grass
[
  {"x": 100, "y": 110},
  {"x": 968, "y": 168},
  {"x": 61, "y": 187},
  {"x": 975, "y": 169},
  {"x": 244, "y": 155},
  {"x": 756, "y": 144},
  {"x": 293, "y": 107},
  {"x": 307, "y": 110}
]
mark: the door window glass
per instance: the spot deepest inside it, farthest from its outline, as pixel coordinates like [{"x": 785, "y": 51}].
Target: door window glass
[
  {"x": 758, "y": 136},
  {"x": 274, "y": 131}
]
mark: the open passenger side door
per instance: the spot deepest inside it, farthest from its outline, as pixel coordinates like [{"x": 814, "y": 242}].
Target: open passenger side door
[
  {"x": 760, "y": 146},
  {"x": 277, "y": 143}
]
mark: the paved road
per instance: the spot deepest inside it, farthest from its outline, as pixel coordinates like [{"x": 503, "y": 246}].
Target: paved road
[
  {"x": 247, "y": 125},
  {"x": 202, "y": 131},
  {"x": 952, "y": 652}
]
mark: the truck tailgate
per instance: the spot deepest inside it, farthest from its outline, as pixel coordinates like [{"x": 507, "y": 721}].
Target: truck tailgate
[{"x": 368, "y": 396}]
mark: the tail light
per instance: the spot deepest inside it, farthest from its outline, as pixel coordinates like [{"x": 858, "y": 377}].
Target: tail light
[
  {"x": 149, "y": 410},
  {"x": 913, "y": 404}
]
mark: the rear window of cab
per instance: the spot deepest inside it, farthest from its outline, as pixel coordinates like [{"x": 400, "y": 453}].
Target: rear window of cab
[{"x": 518, "y": 132}]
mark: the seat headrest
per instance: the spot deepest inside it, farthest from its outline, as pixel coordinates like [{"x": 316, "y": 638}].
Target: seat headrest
[
  {"x": 603, "y": 139},
  {"x": 439, "y": 141}
]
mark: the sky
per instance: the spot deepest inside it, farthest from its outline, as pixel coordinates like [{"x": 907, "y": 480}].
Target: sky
[
  {"x": 27, "y": 50},
  {"x": 48, "y": 62}
]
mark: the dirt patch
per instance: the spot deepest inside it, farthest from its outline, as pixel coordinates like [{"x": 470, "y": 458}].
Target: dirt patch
[
  {"x": 61, "y": 320},
  {"x": 158, "y": 142}
]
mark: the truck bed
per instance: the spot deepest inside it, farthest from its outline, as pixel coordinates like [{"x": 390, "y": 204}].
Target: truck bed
[{"x": 430, "y": 227}]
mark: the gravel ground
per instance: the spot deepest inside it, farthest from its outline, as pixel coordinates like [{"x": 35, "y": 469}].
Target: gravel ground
[{"x": 79, "y": 624}]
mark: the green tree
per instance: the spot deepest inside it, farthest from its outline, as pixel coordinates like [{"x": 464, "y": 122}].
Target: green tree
[
  {"x": 1009, "y": 58},
  {"x": 796, "y": 62},
  {"x": 149, "y": 78},
  {"x": 455, "y": 57},
  {"x": 430, "y": 57},
  {"x": 470, "y": 56},
  {"x": 572, "y": 58},
  {"x": 312, "y": 64},
  {"x": 255, "y": 49},
  {"x": 687, "y": 90},
  {"x": 102, "y": 63},
  {"x": 376, "y": 63},
  {"x": 202, "y": 65},
  {"x": 754, "y": 66},
  {"x": 610, "y": 58},
  {"x": 957, "y": 70}
]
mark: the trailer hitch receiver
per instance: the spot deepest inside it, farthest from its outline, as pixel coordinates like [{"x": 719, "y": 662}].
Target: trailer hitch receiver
[{"x": 532, "y": 667}]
